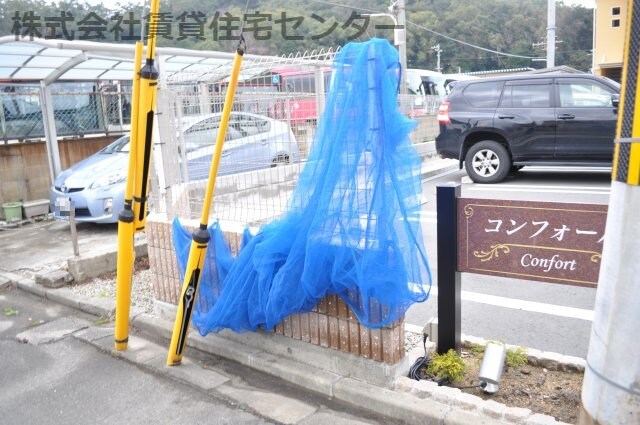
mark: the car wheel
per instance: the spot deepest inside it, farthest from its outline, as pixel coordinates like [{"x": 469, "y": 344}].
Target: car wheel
[
  {"x": 281, "y": 159},
  {"x": 487, "y": 162}
]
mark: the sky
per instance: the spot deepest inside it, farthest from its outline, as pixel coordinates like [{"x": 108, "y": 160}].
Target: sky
[{"x": 585, "y": 3}]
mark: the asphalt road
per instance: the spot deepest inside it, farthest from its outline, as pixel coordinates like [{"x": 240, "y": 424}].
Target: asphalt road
[{"x": 546, "y": 316}]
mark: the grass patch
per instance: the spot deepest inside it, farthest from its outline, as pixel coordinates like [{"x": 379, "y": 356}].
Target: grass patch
[
  {"x": 102, "y": 320},
  {"x": 516, "y": 357},
  {"x": 10, "y": 311},
  {"x": 477, "y": 350}
]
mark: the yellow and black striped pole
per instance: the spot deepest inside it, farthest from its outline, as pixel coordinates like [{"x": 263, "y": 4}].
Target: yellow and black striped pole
[
  {"x": 126, "y": 252},
  {"x": 626, "y": 159},
  {"x": 133, "y": 217},
  {"x": 201, "y": 236}
]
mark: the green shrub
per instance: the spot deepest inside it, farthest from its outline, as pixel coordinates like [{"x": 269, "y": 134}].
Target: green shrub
[
  {"x": 516, "y": 357},
  {"x": 449, "y": 366}
]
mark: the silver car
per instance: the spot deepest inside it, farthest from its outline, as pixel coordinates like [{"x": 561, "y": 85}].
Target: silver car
[
  {"x": 252, "y": 142},
  {"x": 96, "y": 184}
]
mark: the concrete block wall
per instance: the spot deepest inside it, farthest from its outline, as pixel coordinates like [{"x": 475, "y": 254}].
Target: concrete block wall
[
  {"x": 427, "y": 129},
  {"x": 331, "y": 324}
]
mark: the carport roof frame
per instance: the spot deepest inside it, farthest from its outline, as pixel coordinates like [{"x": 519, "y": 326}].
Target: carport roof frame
[{"x": 48, "y": 60}]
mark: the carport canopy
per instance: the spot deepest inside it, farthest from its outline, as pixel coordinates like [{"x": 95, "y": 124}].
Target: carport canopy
[{"x": 50, "y": 60}]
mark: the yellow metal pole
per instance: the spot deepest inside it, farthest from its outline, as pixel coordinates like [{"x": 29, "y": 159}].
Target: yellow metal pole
[
  {"x": 126, "y": 253},
  {"x": 201, "y": 236},
  {"x": 148, "y": 90},
  {"x": 129, "y": 221}
]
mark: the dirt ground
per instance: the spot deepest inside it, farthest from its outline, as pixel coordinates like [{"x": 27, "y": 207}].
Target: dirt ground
[{"x": 549, "y": 392}]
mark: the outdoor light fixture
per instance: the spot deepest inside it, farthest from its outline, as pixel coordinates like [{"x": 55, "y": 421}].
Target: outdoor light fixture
[{"x": 492, "y": 365}]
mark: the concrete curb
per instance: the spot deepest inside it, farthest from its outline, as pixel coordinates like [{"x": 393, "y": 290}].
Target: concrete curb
[
  {"x": 94, "y": 306},
  {"x": 428, "y": 172},
  {"x": 382, "y": 401},
  {"x": 409, "y": 401},
  {"x": 97, "y": 263}
]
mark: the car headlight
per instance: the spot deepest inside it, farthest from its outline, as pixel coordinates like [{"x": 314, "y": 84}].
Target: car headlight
[{"x": 109, "y": 179}]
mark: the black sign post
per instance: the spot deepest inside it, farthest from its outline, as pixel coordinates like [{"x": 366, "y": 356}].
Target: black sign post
[{"x": 449, "y": 303}]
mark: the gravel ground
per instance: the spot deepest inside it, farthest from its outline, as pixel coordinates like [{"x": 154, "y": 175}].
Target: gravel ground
[
  {"x": 412, "y": 340},
  {"x": 105, "y": 287}
]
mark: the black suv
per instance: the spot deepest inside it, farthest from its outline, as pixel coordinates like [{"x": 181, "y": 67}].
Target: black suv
[{"x": 499, "y": 125}]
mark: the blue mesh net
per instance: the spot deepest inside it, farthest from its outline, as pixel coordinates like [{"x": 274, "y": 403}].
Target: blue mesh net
[{"x": 351, "y": 227}]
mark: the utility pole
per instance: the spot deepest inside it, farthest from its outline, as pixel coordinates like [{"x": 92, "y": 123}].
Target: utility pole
[
  {"x": 396, "y": 13},
  {"x": 438, "y": 51},
  {"x": 610, "y": 391},
  {"x": 551, "y": 33},
  {"x": 402, "y": 45}
]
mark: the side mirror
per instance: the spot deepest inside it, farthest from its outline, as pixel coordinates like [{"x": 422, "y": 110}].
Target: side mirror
[{"x": 615, "y": 100}]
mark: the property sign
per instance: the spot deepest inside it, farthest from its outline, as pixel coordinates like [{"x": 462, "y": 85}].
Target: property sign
[{"x": 545, "y": 241}]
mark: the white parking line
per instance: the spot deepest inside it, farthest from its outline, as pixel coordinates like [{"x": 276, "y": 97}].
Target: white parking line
[
  {"x": 532, "y": 306},
  {"x": 424, "y": 217},
  {"x": 423, "y": 220},
  {"x": 572, "y": 191},
  {"x": 548, "y": 186},
  {"x": 437, "y": 176},
  {"x": 603, "y": 170}
]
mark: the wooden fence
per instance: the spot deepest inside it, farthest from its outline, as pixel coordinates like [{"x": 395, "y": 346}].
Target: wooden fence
[{"x": 24, "y": 169}]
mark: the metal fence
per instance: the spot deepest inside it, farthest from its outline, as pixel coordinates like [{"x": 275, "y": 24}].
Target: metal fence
[
  {"x": 76, "y": 113},
  {"x": 275, "y": 113}
]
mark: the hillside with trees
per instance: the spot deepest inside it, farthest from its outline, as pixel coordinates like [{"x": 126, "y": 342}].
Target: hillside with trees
[{"x": 289, "y": 26}]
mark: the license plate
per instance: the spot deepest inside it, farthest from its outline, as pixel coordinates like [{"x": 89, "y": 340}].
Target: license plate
[{"x": 63, "y": 205}]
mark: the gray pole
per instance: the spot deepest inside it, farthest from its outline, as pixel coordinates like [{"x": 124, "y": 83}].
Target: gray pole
[
  {"x": 611, "y": 386},
  {"x": 402, "y": 46},
  {"x": 610, "y": 393},
  {"x": 438, "y": 51},
  {"x": 551, "y": 33},
  {"x": 51, "y": 136}
]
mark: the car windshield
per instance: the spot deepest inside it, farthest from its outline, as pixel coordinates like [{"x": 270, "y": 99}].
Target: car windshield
[
  {"x": 119, "y": 146},
  {"x": 204, "y": 132}
]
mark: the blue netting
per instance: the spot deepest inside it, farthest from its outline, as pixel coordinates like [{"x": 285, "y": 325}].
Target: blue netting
[{"x": 352, "y": 225}]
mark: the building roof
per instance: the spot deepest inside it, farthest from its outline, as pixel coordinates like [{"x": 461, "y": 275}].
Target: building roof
[
  {"x": 557, "y": 69},
  {"x": 499, "y": 71}
]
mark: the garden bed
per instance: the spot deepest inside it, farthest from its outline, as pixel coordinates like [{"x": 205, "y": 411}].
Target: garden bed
[{"x": 551, "y": 392}]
